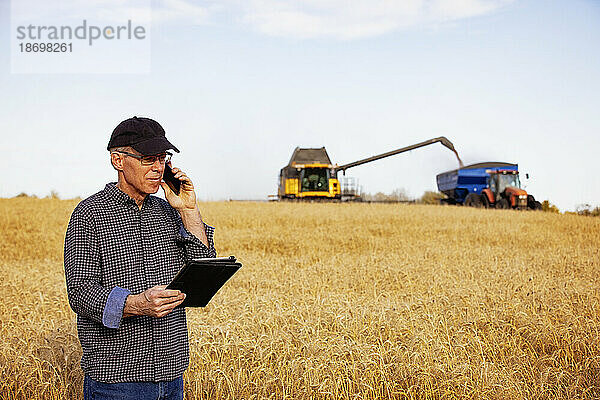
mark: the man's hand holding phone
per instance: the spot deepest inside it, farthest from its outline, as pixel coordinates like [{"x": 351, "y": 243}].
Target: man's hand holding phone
[
  {"x": 174, "y": 179},
  {"x": 185, "y": 203}
]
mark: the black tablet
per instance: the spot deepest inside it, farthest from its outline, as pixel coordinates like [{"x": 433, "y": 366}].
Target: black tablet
[{"x": 200, "y": 279}]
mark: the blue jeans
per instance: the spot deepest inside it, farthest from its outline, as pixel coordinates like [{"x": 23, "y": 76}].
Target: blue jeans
[{"x": 171, "y": 390}]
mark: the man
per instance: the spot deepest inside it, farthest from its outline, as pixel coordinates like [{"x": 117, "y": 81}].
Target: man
[{"x": 122, "y": 248}]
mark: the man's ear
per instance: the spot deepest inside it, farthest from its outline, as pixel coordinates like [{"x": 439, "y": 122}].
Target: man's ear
[{"x": 117, "y": 161}]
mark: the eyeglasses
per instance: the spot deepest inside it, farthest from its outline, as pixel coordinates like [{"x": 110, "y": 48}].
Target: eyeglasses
[{"x": 149, "y": 160}]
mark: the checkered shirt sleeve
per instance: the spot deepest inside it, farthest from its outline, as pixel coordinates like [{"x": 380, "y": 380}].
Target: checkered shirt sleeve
[{"x": 83, "y": 268}]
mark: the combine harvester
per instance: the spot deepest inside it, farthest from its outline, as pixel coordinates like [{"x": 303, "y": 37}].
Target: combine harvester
[
  {"x": 487, "y": 184},
  {"x": 310, "y": 174}
]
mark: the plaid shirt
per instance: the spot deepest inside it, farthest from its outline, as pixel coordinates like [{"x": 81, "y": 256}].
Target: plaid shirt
[{"x": 112, "y": 248}]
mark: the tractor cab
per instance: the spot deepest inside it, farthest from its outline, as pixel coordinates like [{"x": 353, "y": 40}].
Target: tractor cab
[
  {"x": 504, "y": 189},
  {"x": 500, "y": 180},
  {"x": 314, "y": 179}
]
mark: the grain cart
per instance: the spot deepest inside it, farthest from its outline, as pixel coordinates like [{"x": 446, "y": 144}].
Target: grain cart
[
  {"x": 487, "y": 184},
  {"x": 311, "y": 175}
]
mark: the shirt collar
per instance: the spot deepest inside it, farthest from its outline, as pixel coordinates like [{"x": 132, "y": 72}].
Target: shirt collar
[{"x": 113, "y": 192}]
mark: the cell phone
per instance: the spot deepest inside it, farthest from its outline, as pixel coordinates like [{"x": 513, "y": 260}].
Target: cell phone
[{"x": 170, "y": 180}]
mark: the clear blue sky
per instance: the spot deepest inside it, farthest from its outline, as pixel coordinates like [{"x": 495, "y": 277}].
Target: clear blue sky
[{"x": 238, "y": 85}]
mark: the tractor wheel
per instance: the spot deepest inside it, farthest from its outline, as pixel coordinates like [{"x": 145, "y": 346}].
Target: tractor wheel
[
  {"x": 473, "y": 200},
  {"x": 503, "y": 204},
  {"x": 485, "y": 203},
  {"x": 533, "y": 204}
]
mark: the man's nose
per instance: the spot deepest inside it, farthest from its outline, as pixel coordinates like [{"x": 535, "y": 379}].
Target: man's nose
[{"x": 158, "y": 166}]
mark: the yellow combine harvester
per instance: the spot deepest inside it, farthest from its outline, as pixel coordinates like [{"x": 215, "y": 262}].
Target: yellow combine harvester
[{"x": 310, "y": 174}]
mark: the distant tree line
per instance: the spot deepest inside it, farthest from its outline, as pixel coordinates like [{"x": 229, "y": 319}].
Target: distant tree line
[
  {"x": 401, "y": 195},
  {"x": 398, "y": 195},
  {"x": 53, "y": 195},
  {"x": 587, "y": 210},
  {"x": 548, "y": 207}
]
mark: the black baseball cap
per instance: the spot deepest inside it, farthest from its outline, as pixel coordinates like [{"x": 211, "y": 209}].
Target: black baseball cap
[{"x": 145, "y": 135}]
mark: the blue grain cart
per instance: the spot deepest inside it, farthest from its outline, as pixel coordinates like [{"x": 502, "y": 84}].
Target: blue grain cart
[{"x": 487, "y": 184}]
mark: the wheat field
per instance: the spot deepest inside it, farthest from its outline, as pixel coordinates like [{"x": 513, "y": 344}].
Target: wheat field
[{"x": 341, "y": 301}]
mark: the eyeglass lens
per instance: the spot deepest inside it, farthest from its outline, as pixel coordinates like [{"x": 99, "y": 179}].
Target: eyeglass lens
[{"x": 162, "y": 158}]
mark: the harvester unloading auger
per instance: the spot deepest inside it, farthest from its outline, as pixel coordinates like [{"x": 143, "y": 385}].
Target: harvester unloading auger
[{"x": 310, "y": 173}]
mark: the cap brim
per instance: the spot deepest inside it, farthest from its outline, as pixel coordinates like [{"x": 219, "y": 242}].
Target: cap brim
[{"x": 154, "y": 145}]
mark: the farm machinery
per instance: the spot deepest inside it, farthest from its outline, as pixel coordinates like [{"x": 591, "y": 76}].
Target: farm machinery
[
  {"x": 487, "y": 184},
  {"x": 310, "y": 174}
]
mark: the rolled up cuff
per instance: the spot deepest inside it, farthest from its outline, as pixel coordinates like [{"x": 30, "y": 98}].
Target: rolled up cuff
[{"x": 113, "y": 311}]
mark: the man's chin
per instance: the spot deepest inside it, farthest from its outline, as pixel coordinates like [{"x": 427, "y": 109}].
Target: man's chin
[{"x": 153, "y": 187}]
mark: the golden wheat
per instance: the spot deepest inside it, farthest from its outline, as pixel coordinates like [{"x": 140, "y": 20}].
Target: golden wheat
[{"x": 342, "y": 301}]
